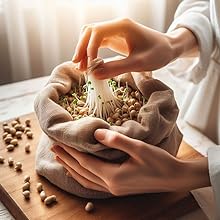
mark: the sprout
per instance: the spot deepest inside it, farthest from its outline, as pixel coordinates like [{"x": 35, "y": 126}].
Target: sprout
[{"x": 101, "y": 100}]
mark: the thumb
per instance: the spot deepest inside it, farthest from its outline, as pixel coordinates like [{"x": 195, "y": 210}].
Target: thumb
[
  {"x": 117, "y": 67},
  {"x": 118, "y": 141}
]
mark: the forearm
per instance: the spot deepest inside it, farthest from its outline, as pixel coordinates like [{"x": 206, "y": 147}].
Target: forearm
[
  {"x": 193, "y": 174},
  {"x": 183, "y": 43}
]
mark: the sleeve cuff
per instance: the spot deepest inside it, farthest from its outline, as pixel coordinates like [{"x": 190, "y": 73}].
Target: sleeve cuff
[
  {"x": 200, "y": 25},
  {"x": 214, "y": 173}
]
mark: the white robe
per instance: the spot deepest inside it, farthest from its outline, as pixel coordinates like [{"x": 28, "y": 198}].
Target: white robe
[{"x": 201, "y": 106}]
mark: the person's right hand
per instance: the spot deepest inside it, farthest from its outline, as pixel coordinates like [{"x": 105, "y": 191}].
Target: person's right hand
[{"x": 145, "y": 49}]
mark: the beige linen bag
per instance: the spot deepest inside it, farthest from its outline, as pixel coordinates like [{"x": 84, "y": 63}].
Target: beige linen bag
[{"x": 156, "y": 125}]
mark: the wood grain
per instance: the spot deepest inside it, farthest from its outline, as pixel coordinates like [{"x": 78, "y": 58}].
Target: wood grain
[{"x": 145, "y": 206}]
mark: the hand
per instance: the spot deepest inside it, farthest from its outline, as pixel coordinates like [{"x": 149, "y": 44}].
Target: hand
[
  {"x": 149, "y": 168},
  {"x": 145, "y": 49}
]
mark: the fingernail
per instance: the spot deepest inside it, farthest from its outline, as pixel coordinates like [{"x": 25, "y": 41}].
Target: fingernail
[{"x": 100, "y": 134}]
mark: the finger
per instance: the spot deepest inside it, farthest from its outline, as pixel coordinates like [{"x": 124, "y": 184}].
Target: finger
[
  {"x": 114, "y": 68},
  {"x": 96, "y": 166},
  {"x": 93, "y": 45},
  {"x": 71, "y": 162},
  {"x": 118, "y": 141},
  {"x": 82, "y": 44},
  {"x": 83, "y": 64},
  {"x": 80, "y": 179}
]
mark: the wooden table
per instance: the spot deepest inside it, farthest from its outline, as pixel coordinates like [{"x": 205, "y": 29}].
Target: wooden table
[{"x": 117, "y": 208}]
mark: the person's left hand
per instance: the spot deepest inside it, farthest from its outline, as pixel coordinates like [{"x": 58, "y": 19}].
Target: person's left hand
[{"x": 148, "y": 169}]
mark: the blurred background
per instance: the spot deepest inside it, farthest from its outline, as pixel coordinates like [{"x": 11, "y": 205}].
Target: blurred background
[{"x": 36, "y": 35}]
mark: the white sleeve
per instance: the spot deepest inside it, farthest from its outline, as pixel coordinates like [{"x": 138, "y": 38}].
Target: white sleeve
[
  {"x": 195, "y": 15},
  {"x": 214, "y": 173}
]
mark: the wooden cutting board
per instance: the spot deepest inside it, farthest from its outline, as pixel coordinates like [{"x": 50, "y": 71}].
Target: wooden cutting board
[{"x": 147, "y": 206}]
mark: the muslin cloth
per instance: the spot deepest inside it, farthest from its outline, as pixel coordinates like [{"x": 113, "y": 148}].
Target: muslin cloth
[{"x": 156, "y": 125}]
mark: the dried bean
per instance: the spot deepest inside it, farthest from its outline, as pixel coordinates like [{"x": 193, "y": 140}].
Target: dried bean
[
  {"x": 28, "y": 122},
  {"x": 27, "y": 178},
  {"x": 125, "y": 115},
  {"x": 124, "y": 119},
  {"x": 2, "y": 159},
  {"x": 109, "y": 120},
  {"x": 4, "y": 135},
  {"x": 39, "y": 187},
  {"x": 132, "y": 101},
  {"x": 26, "y": 194},
  {"x": 89, "y": 207},
  {"x": 18, "y": 134},
  {"x": 124, "y": 108},
  {"x": 10, "y": 147},
  {"x": 14, "y": 142},
  {"x": 29, "y": 135},
  {"x": 18, "y": 120},
  {"x": 12, "y": 131},
  {"x": 133, "y": 113},
  {"x": 50, "y": 199},
  {"x": 116, "y": 115},
  {"x": 10, "y": 161},
  {"x": 13, "y": 123},
  {"x": 8, "y": 139},
  {"x": 26, "y": 129},
  {"x": 118, "y": 122},
  {"x": 43, "y": 195},
  {"x": 18, "y": 127},
  {"x": 27, "y": 148},
  {"x": 6, "y": 129},
  {"x": 22, "y": 128},
  {"x": 18, "y": 166},
  {"x": 137, "y": 95},
  {"x": 131, "y": 108},
  {"x": 137, "y": 105},
  {"x": 26, "y": 186}
]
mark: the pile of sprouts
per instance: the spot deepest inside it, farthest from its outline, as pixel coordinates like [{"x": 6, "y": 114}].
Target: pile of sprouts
[{"x": 105, "y": 99}]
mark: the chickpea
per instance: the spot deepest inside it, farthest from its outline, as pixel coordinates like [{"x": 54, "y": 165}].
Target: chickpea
[
  {"x": 50, "y": 199},
  {"x": 29, "y": 135},
  {"x": 26, "y": 186},
  {"x": 12, "y": 131},
  {"x": 89, "y": 207},
  {"x": 27, "y": 178},
  {"x": 118, "y": 122},
  {"x": 43, "y": 195},
  {"x": 26, "y": 194},
  {"x": 18, "y": 127},
  {"x": 28, "y": 122},
  {"x": 13, "y": 123},
  {"x": 133, "y": 113},
  {"x": 18, "y": 134},
  {"x": 6, "y": 129},
  {"x": 10, "y": 147},
  {"x": 14, "y": 142},
  {"x": 18, "y": 166},
  {"x": 131, "y": 108},
  {"x": 10, "y": 161},
  {"x": 39, "y": 187},
  {"x": 2, "y": 159},
  {"x": 4, "y": 135}
]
